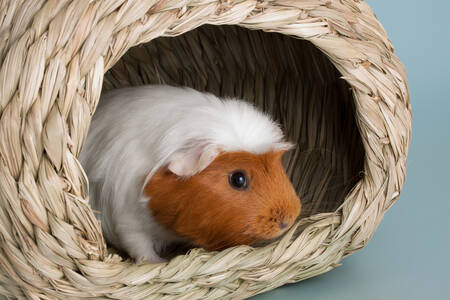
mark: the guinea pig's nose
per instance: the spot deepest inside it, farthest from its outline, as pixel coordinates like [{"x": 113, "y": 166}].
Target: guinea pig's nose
[{"x": 283, "y": 224}]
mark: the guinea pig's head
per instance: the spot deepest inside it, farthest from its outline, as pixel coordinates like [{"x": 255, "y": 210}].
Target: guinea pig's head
[{"x": 221, "y": 199}]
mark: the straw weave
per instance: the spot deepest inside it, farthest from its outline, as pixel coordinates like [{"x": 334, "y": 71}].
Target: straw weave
[{"x": 53, "y": 57}]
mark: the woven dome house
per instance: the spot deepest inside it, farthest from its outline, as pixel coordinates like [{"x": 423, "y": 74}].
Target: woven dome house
[{"x": 324, "y": 69}]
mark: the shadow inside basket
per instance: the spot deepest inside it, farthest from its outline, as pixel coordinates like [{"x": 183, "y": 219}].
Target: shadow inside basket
[{"x": 288, "y": 78}]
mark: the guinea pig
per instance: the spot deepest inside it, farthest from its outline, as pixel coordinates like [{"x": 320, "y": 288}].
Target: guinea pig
[{"x": 173, "y": 165}]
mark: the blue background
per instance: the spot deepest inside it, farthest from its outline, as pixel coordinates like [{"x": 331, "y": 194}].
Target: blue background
[{"x": 409, "y": 255}]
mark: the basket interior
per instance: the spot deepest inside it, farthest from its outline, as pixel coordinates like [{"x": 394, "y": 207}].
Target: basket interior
[{"x": 286, "y": 77}]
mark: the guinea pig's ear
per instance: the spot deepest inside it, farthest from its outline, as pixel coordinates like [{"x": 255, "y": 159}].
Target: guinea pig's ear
[
  {"x": 285, "y": 146},
  {"x": 193, "y": 160}
]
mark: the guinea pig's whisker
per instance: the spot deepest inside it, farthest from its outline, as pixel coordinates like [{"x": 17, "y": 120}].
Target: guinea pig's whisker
[{"x": 331, "y": 188}]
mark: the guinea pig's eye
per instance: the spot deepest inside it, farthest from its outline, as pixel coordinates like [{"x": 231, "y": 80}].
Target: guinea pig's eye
[{"x": 238, "y": 179}]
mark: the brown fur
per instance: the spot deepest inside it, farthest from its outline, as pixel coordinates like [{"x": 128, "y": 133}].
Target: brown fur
[{"x": 206, "y": 210}]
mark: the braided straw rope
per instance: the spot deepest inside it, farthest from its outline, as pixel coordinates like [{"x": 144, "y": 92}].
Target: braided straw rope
[{"x": 53, "y": 56}]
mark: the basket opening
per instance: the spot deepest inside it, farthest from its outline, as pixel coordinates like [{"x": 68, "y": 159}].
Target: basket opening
[{"x": 287, "y": 77}]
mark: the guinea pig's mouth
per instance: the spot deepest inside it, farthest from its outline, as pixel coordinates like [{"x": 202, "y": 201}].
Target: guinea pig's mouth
[
  {"x": 264, "y": 238},
  {"x": 269, "y": 228},
  {"x": 245, "y": 238},
  {"x": 282, "y": 231},
  {"x": 267, "y": 240}
]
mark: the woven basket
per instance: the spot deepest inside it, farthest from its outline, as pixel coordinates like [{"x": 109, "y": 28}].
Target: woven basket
[{"x": 324, "y": 69}]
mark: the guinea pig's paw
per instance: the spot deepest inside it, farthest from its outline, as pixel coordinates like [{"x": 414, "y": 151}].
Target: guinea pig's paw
[
  {"x": 155, "y": 259},
  {"x": 140, "y": 247},
  {"x": 146, "y": 255}
]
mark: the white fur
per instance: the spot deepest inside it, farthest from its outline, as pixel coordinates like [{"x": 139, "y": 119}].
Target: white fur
[{"x": 135, "y": 131}]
